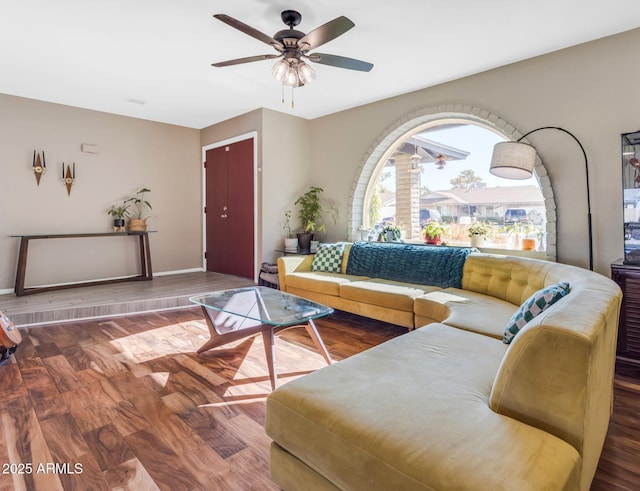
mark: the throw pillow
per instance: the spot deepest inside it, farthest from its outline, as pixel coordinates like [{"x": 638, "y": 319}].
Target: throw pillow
[
  {"x": 328, "y": 258},
  {"x": 532, "y": 306}
]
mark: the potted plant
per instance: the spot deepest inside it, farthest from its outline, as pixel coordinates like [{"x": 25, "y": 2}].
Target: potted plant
[
  {"x": 138, "y": 202},
  {"x": 391, "y": 233},
  {"x": 118, "y": 213},
  {"x": 529, "y": 243},
  {"x": 433, "y": 232},
  {"x": 364, "y": 232},
  {"x": 514, "y": 230},
  {"x": 478, "y": 232},
  {"x": 312, "y": 216},
  {"x": 290, "y": 241}
]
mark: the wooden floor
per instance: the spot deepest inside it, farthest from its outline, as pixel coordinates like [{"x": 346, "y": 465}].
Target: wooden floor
[
  {"x": 127, "y": 401},
  {"x": 124, "y": 403}
]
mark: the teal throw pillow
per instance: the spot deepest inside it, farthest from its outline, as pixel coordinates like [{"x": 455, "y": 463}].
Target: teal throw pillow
[
  {"x": 328, "y": 258},
  {"x": 534, "y": 305}
]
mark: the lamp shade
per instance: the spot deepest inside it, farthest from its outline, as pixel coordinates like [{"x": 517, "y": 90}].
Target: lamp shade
[{"x": 513, "y": 160}]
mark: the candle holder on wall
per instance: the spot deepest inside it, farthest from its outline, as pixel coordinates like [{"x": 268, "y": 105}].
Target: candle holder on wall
[
  {"x": 68, "y": 176},
  {"x": 39, "y": 166}
]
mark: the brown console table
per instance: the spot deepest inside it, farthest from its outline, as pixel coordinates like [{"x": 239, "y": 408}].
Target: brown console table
[{"x": 145, "y": 261}]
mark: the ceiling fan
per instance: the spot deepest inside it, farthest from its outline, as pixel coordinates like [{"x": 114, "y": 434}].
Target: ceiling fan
[{"x": 292, "y": 46}]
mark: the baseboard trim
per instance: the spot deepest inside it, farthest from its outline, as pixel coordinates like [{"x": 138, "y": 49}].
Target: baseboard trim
[{"x": 179, "y": 271}]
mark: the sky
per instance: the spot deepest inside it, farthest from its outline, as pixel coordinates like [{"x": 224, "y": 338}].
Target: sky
[{"x": 476, "y": 140}]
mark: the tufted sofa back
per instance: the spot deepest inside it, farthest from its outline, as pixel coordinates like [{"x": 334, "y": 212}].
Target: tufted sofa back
[{"x": 514, "y": 279}]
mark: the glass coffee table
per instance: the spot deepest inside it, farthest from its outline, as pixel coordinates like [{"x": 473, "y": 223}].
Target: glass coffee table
[{"x": 241, "y": 312}]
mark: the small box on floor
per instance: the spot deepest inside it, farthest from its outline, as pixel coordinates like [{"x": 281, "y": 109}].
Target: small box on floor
[{"x": 268, "y": 275}]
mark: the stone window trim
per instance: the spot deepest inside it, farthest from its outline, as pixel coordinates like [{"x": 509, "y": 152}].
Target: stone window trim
[{"x": 429, "y": 117}]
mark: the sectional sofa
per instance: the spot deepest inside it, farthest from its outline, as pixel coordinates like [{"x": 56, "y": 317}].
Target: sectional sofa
[{"x": 449, "y": 405}]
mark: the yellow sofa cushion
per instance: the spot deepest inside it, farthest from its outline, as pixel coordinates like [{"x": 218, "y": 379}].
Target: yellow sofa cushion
[
  {"x": 466, "y": 310},
  {"x": 410, "y": 415},
  {"x": 327, "y": 283},
  {"x": 385, "y": 293}
]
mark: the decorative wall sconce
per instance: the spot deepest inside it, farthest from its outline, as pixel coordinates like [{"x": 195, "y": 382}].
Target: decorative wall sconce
[
  {"x": 39, "y": 166},
  {"x": 68, "y": 176}
]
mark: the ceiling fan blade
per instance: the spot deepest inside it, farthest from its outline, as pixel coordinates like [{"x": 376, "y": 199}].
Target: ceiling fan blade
[
  {"x": 325, "y": 33},
  {"x": 341, "y": 62},
  {"x": 248, "y": 59},
  {"x": 241, "y": 26}
]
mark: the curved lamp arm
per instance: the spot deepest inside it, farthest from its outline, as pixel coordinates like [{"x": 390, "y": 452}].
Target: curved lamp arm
[{"x": 515, "y": 160}]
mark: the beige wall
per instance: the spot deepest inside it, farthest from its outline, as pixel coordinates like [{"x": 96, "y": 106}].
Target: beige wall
[
  {"x": 133, "y": 153},
  {"x": 588, "y": 90},
  {"x": 285, "y": 173}
]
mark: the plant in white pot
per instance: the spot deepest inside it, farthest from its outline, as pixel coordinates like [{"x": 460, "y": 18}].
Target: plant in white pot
[
  {"x": 290, "y": 241},
  {"x": 391, "y": 233},
  {"x": 138, "y": 203},
  {"x": 479, "y": 232}
]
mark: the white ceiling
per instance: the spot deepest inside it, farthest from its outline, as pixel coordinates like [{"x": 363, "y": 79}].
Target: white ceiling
[{"x": 102, "y": 54}]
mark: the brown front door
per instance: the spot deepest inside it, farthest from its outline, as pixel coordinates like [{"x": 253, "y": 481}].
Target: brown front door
[{"x": 229, "y": 209}]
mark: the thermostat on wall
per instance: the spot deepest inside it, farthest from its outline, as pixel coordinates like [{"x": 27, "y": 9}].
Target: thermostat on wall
[{"x": 89, "y": 148}]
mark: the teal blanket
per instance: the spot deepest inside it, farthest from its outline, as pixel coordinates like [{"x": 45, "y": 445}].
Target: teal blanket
[{"x": 411, "y": 263}]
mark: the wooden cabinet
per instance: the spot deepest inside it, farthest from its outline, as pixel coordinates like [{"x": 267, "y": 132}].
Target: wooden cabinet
[{"x": 628, "y": 352}]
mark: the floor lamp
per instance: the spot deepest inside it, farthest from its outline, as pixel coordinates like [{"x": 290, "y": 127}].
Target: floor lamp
[{"x": 515, "y": 160}]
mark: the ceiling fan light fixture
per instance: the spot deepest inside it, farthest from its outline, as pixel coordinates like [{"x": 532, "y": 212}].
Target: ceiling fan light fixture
[
  {"x": 305, "y": 73},
  {"x": 279, "y": 70},
  {"x": 291, "y": 78}
]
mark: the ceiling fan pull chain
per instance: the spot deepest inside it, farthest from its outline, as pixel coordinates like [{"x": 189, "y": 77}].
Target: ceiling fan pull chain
[
  {"x": 291, "y": 97},
  {"x": 282, "y": 93}
]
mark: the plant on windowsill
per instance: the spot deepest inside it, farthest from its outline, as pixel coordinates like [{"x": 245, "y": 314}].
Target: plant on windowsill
[
  {"x": 433, "y": 232},
  {"x": 118, "y": 213},
  {"x": 139, "y": 203},
  {"x": 313, "y": 216},
  {"x": 529, "y": 243},
  {"x": 391, "y": 233},
  {"x": 478, "y": 232},
  {"x": 523, "y": 235}
]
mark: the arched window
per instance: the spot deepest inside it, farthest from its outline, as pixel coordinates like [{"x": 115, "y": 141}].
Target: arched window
[{"x": 435, "y": 168}]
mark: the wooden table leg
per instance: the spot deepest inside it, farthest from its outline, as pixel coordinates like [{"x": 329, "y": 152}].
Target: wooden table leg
[
  {"x": 145, "y": 257},
  {"x": 317, "y": 340},
  {"x": 218, "y": 339},
  {"x": 22, "y": 266},
  {"x": 270, "y": 352},
  {"x": 268, "y": 337}
]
